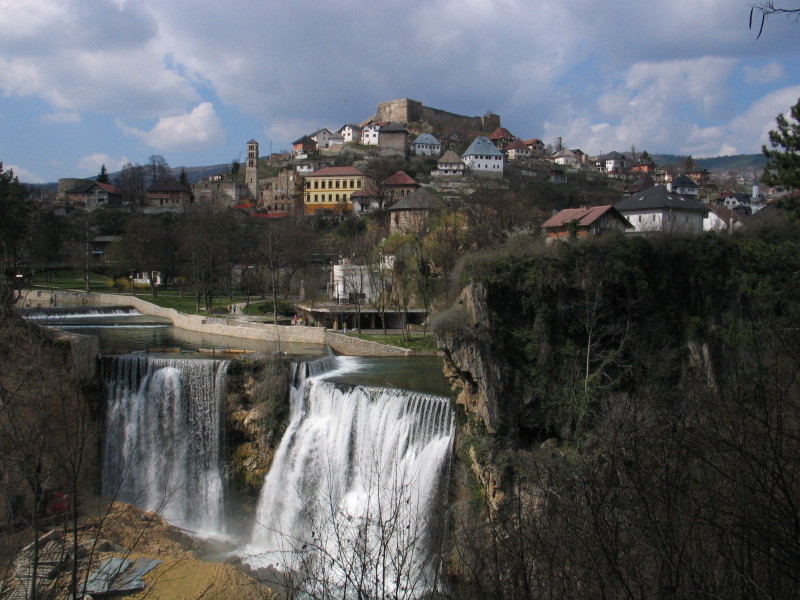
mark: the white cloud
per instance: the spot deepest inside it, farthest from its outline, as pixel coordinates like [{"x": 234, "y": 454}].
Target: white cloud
[
  {"x": 745, "y": 133},
  {"x": 84, "y": 56},
  {"x": 24, "y": 175},
  {"x": 60, "y": 118},
  {"x": 199, "y": 129},
  {"x": 765, "y": 74},
  {"x": 655, "y": 108},
  {"x": 93, "y": 162}
]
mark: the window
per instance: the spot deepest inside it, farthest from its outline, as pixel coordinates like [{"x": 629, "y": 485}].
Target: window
[
  {"x": 316, "y": 184},
  {"x": 337, "y": 185},
  {"x": 323, "y": 184}
]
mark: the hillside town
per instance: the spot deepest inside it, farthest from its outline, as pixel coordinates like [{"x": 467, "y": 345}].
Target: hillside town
[
  {"x": 455, "y": 184},
  {"x": 450, "y": 156}
]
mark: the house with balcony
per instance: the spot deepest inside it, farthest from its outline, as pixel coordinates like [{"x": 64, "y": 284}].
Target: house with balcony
[
  {"x": 449, "y": 165},
  {"x": 93, "y": 195}
]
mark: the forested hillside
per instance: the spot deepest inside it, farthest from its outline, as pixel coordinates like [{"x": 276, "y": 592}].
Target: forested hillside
[{"x": 631, "y": 418}]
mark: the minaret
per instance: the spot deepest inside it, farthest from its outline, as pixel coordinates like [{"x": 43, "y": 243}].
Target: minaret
[{"x": 251, "y": 170}]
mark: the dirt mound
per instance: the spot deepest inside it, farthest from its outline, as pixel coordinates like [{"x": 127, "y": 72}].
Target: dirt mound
[
  {"x": 115, "y": 530},
  {"x": 186, "y": 577}
]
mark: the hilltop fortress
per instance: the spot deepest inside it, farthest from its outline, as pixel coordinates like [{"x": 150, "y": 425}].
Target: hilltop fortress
[{"x": 407, "y": 110}]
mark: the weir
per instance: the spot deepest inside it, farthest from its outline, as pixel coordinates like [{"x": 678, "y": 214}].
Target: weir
[
  {"x": 77, "y": 312},
  {"x": 163, "y": 433},
  {"x": 353, "y": 498}
]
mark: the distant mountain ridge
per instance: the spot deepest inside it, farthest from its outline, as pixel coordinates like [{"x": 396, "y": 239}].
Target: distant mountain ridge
[
  {"x": 719, "y": 164},
  {"x": 736, "y": 162}
]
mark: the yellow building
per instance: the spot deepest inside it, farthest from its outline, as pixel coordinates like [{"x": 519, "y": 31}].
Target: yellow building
[{"x": 330, "y": 189}]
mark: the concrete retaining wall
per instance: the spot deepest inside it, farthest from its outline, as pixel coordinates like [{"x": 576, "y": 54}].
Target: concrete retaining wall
[{"x": 340, "y": 343}]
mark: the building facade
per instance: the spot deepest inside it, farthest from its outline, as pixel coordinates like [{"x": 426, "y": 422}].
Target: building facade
[{"x": 329, "y": 190}]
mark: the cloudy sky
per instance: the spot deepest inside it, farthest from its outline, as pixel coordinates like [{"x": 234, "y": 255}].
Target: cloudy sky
[{"x": 91, "y": 82}]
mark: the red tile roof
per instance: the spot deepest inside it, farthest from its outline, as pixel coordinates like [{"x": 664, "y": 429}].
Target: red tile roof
[
  {"x": 367, "y": 192},
  {"x": 517, "y": 145},
  {"x": 501, "y": 132},
  {"x": 584, "y": 216},
  {"x": 400, "y": 178},
  {"x": 336, "y": 172}
]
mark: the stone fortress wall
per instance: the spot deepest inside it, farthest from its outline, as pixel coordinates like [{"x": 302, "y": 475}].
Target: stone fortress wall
[{"x": 407, "y": 110}]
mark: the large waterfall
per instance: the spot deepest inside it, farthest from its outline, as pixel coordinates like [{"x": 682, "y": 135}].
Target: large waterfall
[
  {"x": 351, "y": 505},
  {"x": 162, "y": 444}
]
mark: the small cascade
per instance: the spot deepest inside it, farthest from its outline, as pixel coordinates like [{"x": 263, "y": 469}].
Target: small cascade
[
  {"x": 77, "y": 312},
  {"x": 355, "y": 488},
  {"x": 163, "y": 434}
]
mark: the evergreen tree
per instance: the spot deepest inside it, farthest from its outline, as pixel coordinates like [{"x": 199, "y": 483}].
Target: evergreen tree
[
  {"x": 184, "y": 177},
  {"x": 784, "y": 165},
  {"x": 14, "y": 226},
  {"x": 102, "y": 177}
]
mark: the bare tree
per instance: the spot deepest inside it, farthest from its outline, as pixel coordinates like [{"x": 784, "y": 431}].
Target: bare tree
[
  {"x": 759, "y": 13},
  {"x": 157, "y": 168}
]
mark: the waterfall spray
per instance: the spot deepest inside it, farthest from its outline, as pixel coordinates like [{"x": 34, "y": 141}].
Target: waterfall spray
[
  {"x": 162, "y": 446},
  {"x": 352, "y": 499}
]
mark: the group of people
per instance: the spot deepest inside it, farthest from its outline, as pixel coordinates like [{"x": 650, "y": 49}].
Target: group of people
[{"x": 301, "y": 321}]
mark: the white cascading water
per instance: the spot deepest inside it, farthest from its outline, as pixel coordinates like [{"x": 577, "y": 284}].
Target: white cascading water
[
  {"x": 351, "y": 504},
  {"x": 163, "y": 433}
]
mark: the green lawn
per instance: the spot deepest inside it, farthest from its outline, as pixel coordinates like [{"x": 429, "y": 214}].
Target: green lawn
[
  {"x": 73, "y": 280},
  {"x": 416, "y": 342}
]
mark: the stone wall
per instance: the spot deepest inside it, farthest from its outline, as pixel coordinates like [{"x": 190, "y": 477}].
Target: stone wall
[
  {"x": 406, "y": 110},
  {"x": 340, "y": 343}
]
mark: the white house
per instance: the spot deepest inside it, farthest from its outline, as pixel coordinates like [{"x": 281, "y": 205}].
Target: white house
[
  {"x": 449, "y": 165},
  {"x": 517, "y": 149},
  {"x": 613, "y": 162},
  {"x": 426, "y": 145},
  {"x": 536, "y": 146},
  {"x": 323, "y": 138},
  {"x": 483, "y": 157},
  {"x": 351, "y": 133},
  {"x": 565, "y": 158},
  {"x": 658, "y": 210},
  {"x": 683, "y": 185},
  {"x": 720, "y": 218},
  {"x": 370, "y": 135},
  {"x": 359, "y": 284}
]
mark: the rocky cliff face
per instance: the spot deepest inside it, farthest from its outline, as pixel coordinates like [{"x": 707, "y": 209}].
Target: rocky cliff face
[
  {"x": 257, "y": 412},
  {"x": 488, "y": 388},
  {"x": 491, "y": 393}
]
